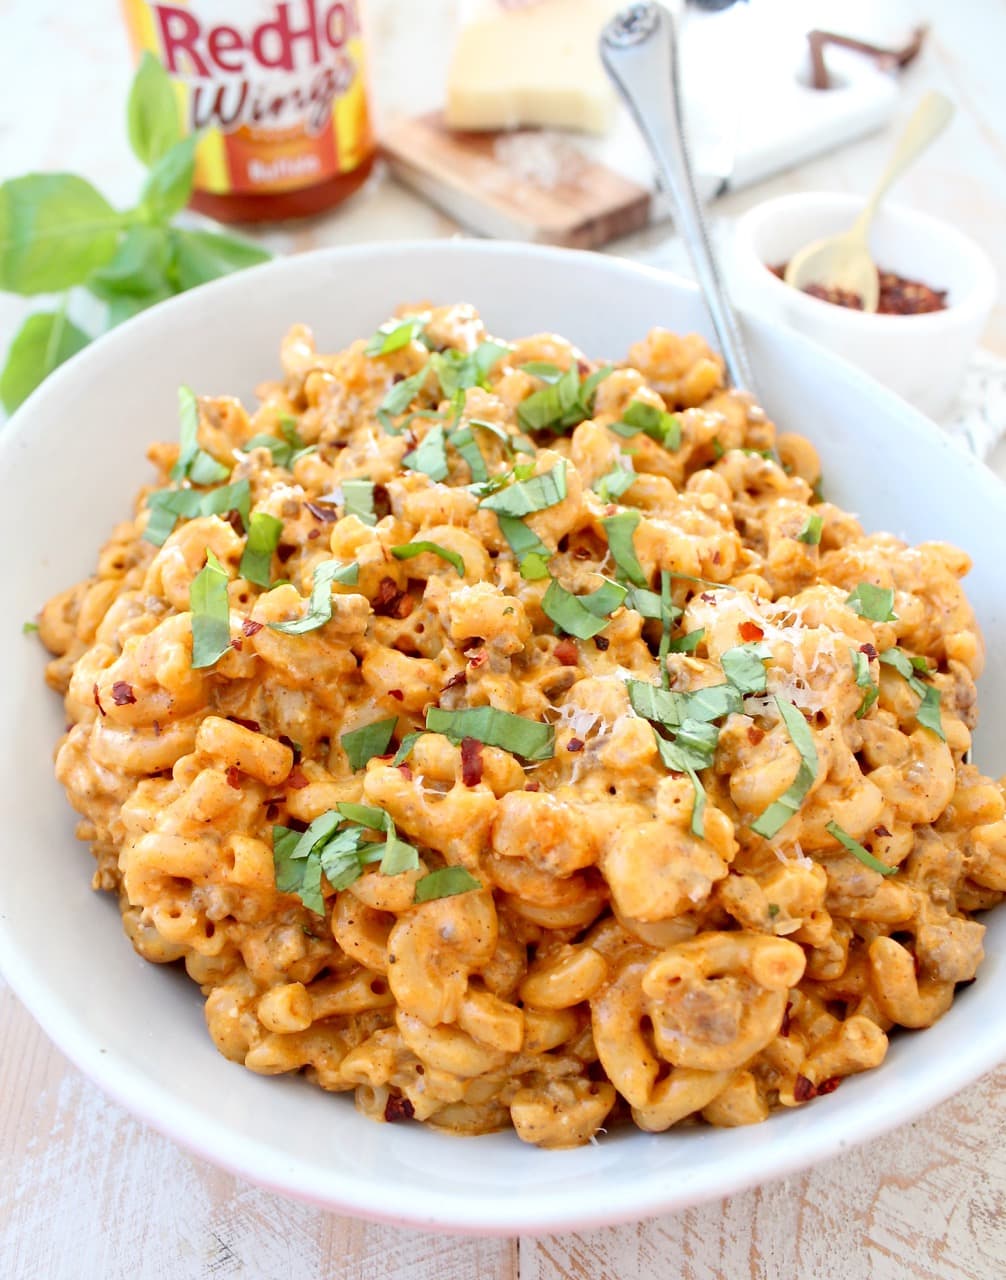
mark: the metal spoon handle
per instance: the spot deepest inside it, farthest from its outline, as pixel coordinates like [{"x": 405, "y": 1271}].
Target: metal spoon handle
[{"x": 639, "y": 49}]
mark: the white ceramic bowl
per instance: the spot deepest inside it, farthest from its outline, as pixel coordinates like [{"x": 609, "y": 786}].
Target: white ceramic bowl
[
  {"x": 923, "y": 358},
  {"x": 70, "y": 462}
]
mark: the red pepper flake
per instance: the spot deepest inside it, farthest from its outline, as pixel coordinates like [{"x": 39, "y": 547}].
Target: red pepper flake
[
  {"x": 459, "y": 677},
  {"x": 405, "y": 771},
  {"x": 803, "y": 1090},
  {"x": 234, "y": 777},
  {"x": 471, "y": 762},
  {"x": 382, "y": 502},
  {"x": 828, "y": 1086},
  {"x": 784, "y": 1025},
  {"x": 755, "y": 735},
  {"x": 750, "y": 630},
  {"x": 476, "y": 658},
  {"x": 396, "y": 1109},
  {"x": 602, "y": 643},
  {"x": 323, "y": 511},
  {"x": 397, "y": 694},
  {"x": 297, "y": 778},
  {"x": 236, "y": 522},
  {"x": 708, "y": 597},
  {"x": 869, "y": 650},
  {"x": 882, "y": 832},
  {"x": 391, "y": 601},
  {"x": 253, "y": 725},
  {"x": 312, "y": 534},
  {"x": 250, "y": 627},
  {"x": 566, "y": 652},
  {"x": 717, "y": 557},
  {"x": 284, "y": 551},
  {"x": 574, "y": 744},
  {"x": 237, "y": 644},
  {"x": 97, "y": 699},
  {"x": 122, "y": 693},
  {"x": 532, "y": 786},
  {"x": 295, "y": 747}
]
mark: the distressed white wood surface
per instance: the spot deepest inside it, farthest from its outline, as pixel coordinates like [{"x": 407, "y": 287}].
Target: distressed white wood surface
[{"x": 89, "y": 1193}]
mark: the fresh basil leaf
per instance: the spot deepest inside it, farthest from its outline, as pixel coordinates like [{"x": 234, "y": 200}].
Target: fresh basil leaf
[
  {"x": 361, "y": 745},
  {"x": 679, "y": 760},
  {"x": 671, "y": 709},
  {"x": 398, "y": 397},
  {"x": 29, "y": 628},
  {"x": 284, "y": 454},
  {"x": 581, "y": 616},
  {"x": 395, "y": 334},
  {"x": 397, "y": 854},
  {"x": 459, "y": 370},
  {"x": 430, "y": 455},
  {"x": 589, "y": 387},
  {"x": 296, "y": 875},
  {"x": 138, "y": 268},
  {"x": 340, "y": 857},
  {"x": 666, "y": 621},
  {"x": 463, "y": 439},
  {"x": 857, "y": 850},
  {"x": 193, "y": 463},
  {"x": 614, "y": 483},
  {"x": 200, "y": 256},
  {"x": 167, "y": 505},
  {"x": 620, "y": 531},
  {"x": 410, "y": 549},
  {"x": 43, "y": 343},
  {"x": 547, "y": 407},
  {"x": 687, "y": 643},
  {"x": 811, "y": 531},
  {"x": 55, "y": 229},
  {"x": 152, "y": 118},
  {"x": 169, "y": 182},
  {"x": 206, "y": 470},
  {"x": 123, "y": 306},
  {"x": 531, "y": 554},
  {"x": 698, "y": 806},
  {"x": 780, "y": 811},
  {"x": 529, "y": 739},
  {"x": 405, "y": 749},
  {"x": 445, "y": 883},
  {"x": 319, "y": 610},
  {"x": 211, "y": 619},
  {"x": 861, "y": 667},
  {"x": 367, "y": 815},
  {"x": 693, "y": 746},
  {"x": 875, "y": 603},
  {"x": 264, "y": 532},
  {"x": 744, "y": 667},
  {"x": 524, "y": 497},
  {"x": 658, "y": 424},
  {"x": 928, "y": 711},
  {"x": 647, "y": 604},
  {"x": 358, "y": 500},
  {"x": 543, "y": 369}
]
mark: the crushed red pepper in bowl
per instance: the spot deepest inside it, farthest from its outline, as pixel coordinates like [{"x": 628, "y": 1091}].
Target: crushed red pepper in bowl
[{"x": 899, "y": 296}]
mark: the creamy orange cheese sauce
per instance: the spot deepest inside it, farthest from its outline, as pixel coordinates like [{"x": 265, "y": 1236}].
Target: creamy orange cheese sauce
[{"x": 637, "y": 929}]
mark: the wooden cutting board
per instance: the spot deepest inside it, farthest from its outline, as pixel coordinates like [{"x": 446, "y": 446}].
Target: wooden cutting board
[{"x": 523, "y": 185}]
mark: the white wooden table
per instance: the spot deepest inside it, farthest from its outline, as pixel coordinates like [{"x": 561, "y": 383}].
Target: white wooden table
[{"x": 89, "y": 1193}]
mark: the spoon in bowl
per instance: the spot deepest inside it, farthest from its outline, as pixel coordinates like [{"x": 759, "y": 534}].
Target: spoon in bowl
[{"x": 844, "y": 261}]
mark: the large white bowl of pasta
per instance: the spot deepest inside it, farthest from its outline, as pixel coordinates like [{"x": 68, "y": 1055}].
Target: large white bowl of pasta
[{"x": 505, "y": 733}]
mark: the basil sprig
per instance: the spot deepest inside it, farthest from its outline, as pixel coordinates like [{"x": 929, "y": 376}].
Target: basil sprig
[
  {"x": 319, "y": 609},
  {"x": 780, "y": 811},
  {"x": 211, "y": 626},
  {"x": 529, "y": 739},
  {"x": 928, "y": 711},
  {"x": 857, "y": 850},
  {"x": 59, "y": 234}
]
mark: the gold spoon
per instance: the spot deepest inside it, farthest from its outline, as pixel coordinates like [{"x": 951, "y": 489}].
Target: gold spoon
[{"x": 844, "y": 261}]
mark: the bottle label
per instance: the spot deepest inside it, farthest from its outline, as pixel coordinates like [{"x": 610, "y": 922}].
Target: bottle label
[{"x": 277, "y": 90}]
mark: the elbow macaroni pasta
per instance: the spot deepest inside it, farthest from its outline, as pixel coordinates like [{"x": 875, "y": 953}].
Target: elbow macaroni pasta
[{"x": 610, "y": 963}]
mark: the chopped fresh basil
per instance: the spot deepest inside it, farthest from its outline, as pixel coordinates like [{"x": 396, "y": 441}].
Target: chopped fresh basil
[
  {"x": 408, "y": 742},
  {"x": 620, "y": 530},
  {"x": 319, "y": 610},
  {"x": 395, "y": 334},
  {"x": 687, "y": 643},
  {"x": 264, "y": 533},
  {"x": 523, "y": 497},
  {"x": 658, "y": 424},
  {"x": 286, "y": 452},
  {"x": 811, "y": 531},
  {"x": 167, "y": 505},
  {"x": 459, "y": 370},
  {"x": 543, "y": 369},
  {"x": 857, "y": 850},
  {"x": 463, "y": 439},
  {"x": 582, "y": 616},
  {"x": 409, "y": 549},
  {"x": 744, "y": 667},
  {"x": 361, "y": 745},
  {"x": 398, "y": 397},
  {"x": 445, "y": 883},
  {"x": 684, "y": 757},
  {"x": 666, "y": 622},
  {"x": 531, "y": 554},
  {"x": 211, "y": 619},
  {"x": 614, "y": 483},
  {"x": 28, "y": 628},
  {"x": 562, "y": 403},
  {"x": 430, "y": 455},
  {"x": 875, "y": 603},
  {"x": 671, "y": 709},
  {"x": 861, "y": 666},
  {"x": 194, "y": 463},
  {"x": 928, "y": 711},
  {"x": 647, "y": 603},
  {"x": 358, "y": 500},
  {"x": 780, "y": 811},
  {"x": 529, "y": 739}
]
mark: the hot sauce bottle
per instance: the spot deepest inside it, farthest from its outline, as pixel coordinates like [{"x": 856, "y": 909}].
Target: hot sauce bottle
[{"x": 277, "y": 92}]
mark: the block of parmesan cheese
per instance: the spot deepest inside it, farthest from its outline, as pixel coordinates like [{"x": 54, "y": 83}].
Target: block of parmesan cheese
[{"x": 533, "y": 63}]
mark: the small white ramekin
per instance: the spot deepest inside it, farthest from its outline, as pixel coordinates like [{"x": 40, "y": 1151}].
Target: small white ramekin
[{"x": 923, "y": 358}]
